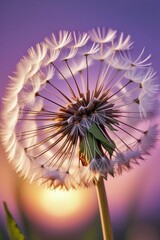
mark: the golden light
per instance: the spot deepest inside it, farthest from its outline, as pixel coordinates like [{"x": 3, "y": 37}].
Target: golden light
[
  {"x": 58, "y": 208},
  {"x": 58, "y": 199}
]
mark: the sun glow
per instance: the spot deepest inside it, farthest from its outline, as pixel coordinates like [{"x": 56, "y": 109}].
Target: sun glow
[
  {"x": 62, "y": 203},
  {"x": 58, "y": 208}
]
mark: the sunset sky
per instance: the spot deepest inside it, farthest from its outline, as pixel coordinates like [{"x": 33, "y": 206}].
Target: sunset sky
[{"x": 134, "y": 196}]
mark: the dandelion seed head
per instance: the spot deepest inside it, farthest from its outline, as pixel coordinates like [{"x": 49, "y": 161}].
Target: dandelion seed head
[{"x": 74, "y": 108}]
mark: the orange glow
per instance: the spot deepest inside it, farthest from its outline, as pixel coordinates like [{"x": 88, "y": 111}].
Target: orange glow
[{"x": 57, "y": 208}]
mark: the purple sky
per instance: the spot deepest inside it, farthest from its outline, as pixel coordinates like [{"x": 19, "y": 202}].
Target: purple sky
[{"x": 24, "y": 23}]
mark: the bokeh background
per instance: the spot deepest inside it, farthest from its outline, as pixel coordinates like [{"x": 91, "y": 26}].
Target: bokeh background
[{"x": 134, "y": 197}]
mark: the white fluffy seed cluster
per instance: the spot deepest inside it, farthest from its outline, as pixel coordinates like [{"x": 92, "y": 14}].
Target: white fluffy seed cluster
[{"x": 65, "y": 86}]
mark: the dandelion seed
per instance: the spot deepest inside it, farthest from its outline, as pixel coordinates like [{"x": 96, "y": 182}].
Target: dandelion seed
[{"x": 70, "y": 106}]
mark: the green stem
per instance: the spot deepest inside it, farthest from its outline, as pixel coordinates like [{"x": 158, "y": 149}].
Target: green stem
[{"x": 104, "y": 210}]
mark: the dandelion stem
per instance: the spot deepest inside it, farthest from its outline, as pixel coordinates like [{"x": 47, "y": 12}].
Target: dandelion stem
[{"x": 104, "y": 210}]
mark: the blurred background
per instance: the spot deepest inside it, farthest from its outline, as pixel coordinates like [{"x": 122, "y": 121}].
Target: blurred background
[{"x": 134, "y": 197}]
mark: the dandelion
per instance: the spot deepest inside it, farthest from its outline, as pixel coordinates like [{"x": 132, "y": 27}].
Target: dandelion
[{"x": 79, "y": 108}]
